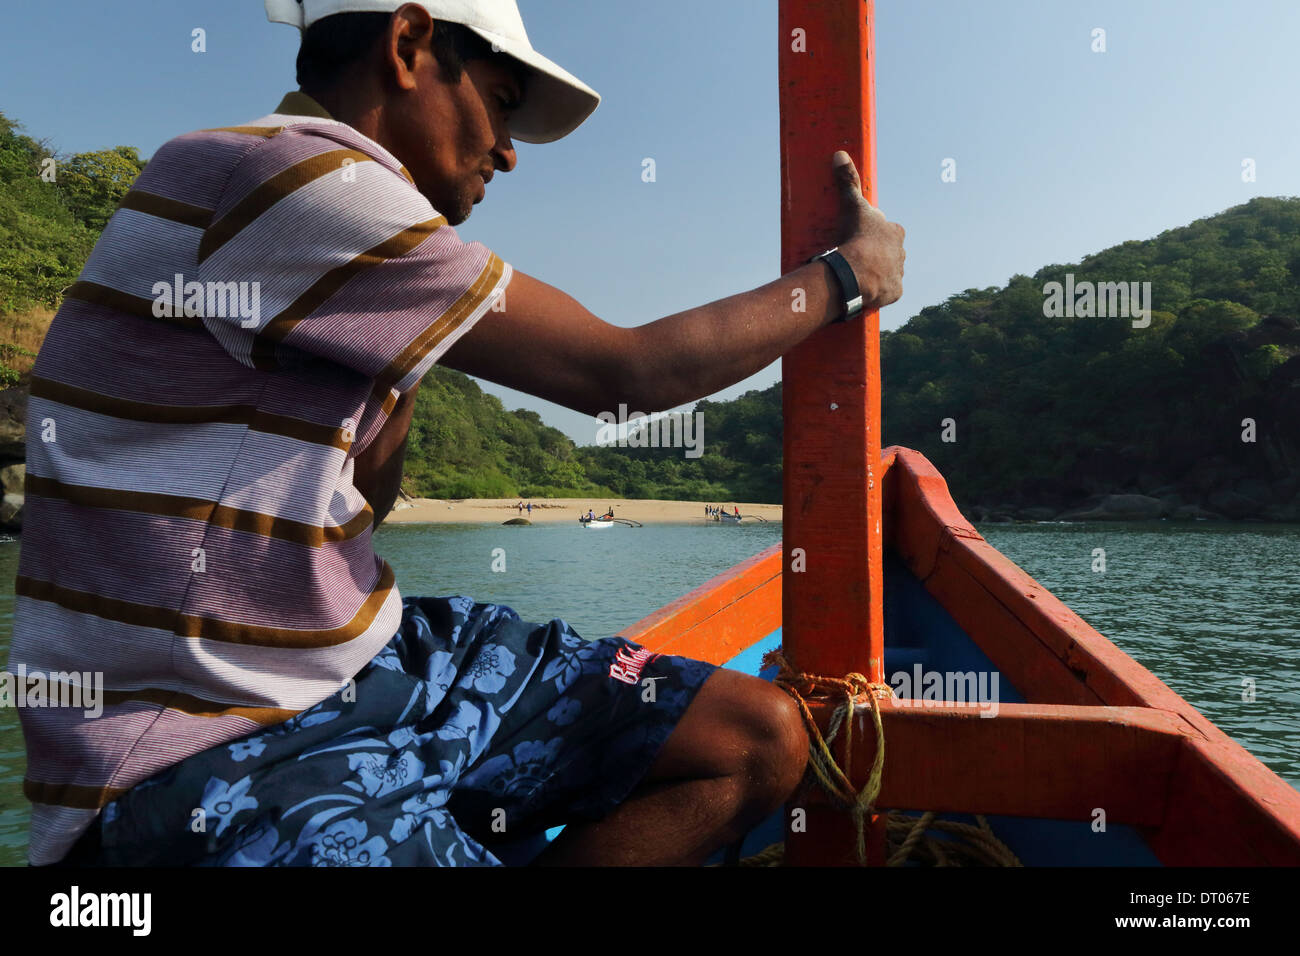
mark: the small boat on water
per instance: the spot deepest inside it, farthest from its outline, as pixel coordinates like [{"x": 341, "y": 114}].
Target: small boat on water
[
  {"x": 725, "y": 517},
  {"x": 596, "y": 523}
]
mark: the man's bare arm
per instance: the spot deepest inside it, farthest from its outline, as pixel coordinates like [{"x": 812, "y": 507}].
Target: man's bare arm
[{"x": 547, "y": 344}]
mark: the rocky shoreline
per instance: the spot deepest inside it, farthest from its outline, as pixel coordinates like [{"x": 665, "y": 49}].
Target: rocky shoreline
[{"x": 1221, "y": 505}]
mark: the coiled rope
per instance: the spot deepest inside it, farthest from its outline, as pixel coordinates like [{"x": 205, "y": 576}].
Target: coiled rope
[{"x": 906, "y": 835}]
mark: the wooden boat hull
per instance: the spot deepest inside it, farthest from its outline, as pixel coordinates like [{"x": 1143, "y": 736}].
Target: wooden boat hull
[
  {"x": 729, "y": 519},
  {"x": 597, "y": 525},
  {"x": 1084, "y": 736}
]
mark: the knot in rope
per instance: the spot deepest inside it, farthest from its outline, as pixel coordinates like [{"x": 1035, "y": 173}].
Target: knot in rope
[
  {"x": 855, "y": 689},
  {"x": 907, "y": 836}
]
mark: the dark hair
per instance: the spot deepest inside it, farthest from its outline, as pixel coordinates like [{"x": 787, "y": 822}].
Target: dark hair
[{"x": 331, "y": 45}]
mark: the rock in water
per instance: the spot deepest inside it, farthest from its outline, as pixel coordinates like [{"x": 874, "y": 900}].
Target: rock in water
[
  {"x": 1195, "y": 513},
  {"x": 13, "y": 417},
  {"x": 1234, "y": 505},
  {"x": 1119, "y": 508},
  {"x": 11, "y": 479},
  {"x": 11, "y": 513}
]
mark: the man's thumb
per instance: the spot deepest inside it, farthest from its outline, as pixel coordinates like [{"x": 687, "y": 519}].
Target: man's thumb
[{"x": 843, "y": 165}]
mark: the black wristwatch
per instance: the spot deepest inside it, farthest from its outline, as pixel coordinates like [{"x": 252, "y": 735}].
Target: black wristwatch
[{"x": 853, "y": 304}]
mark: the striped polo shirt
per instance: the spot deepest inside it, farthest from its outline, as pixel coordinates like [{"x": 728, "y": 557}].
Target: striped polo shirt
[{"x": 192, "y": 533}]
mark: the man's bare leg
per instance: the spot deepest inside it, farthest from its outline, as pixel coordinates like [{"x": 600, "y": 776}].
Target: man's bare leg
[{"x": 736, "y": 755}]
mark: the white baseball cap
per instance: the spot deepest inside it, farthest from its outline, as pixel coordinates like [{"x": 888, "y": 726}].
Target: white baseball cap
[{"x": 556, "y": 102}]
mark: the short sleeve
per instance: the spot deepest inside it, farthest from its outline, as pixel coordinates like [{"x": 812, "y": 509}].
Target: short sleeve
[{"x": 326, "y": 248}]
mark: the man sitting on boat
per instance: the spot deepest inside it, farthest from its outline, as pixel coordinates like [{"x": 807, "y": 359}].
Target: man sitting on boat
[{"x": 274, "y": 699}]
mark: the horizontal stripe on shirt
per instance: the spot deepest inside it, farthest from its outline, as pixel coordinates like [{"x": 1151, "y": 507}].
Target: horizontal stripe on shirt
[
  {"x": 212, "y": 629},
  {"x": 160, "y": 207}
]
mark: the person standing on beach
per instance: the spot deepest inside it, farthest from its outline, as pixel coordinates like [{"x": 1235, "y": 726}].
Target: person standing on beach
[{"x": 261, "y": 668}]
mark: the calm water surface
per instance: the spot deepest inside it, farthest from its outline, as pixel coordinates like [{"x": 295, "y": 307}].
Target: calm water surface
[{"x": 1203, "y": 606}]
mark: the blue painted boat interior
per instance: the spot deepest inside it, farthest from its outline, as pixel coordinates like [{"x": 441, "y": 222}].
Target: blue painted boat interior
[{"x": 918, "y": 630}]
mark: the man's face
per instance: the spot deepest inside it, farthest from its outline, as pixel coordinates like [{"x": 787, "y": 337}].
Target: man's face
[{"x": 452, "y": 137}]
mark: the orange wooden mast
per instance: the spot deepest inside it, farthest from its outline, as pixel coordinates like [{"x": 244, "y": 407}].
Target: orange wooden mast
[
  {"x": 833, "y": 590},
  {"x": 833, "y": 609}
]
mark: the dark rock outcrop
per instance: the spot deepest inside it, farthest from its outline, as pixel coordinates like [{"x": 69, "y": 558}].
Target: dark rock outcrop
[
  {"x": 13, "y": 453},
  {"x": 1119, "y": 508}
]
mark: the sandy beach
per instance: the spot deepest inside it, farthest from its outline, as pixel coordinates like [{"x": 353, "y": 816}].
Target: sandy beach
[{"x": 556, "y": 510}]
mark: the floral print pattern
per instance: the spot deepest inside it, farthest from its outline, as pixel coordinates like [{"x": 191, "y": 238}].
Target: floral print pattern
[{"x": 459, "y": 744}]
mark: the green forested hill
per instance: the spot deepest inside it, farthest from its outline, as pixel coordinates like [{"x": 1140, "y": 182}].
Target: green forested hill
[
  {"x": 464, "y": 444},
  {"x": 1048, "y": 411},
  {"x": 741, "y": 458},
  {"x": 1040, "y": 411}
]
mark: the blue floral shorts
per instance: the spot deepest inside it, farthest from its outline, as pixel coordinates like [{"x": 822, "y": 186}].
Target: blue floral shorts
[{"x": 467, "y": 737}]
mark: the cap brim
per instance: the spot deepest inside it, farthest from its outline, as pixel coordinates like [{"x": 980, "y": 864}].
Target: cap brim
[{"x": 556, "y": 102}]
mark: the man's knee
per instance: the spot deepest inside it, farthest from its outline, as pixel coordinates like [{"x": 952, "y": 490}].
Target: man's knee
[
  {"x": 743, "y": 727},
  {"x": 778, "y": 739}
]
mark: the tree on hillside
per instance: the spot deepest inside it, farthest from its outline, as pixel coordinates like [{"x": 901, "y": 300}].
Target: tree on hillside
[
  {"x": 43, "y": 246},
  {"x": 94, "y": 183}
]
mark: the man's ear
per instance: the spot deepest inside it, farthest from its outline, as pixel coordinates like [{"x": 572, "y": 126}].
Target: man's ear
[{"x": 409, "y": 39}]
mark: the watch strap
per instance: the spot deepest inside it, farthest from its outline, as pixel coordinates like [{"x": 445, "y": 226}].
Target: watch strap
[{"x": 853, "y": 302}]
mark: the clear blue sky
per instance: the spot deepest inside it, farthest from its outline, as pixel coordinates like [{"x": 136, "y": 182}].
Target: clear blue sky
[{"x": 1061, "y": 152}]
